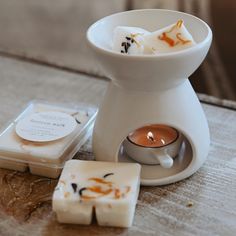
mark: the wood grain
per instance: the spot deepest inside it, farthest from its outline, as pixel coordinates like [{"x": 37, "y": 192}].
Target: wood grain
[
  {"x": 21, "y": 82},
  {"x": 203, "y": 204}
]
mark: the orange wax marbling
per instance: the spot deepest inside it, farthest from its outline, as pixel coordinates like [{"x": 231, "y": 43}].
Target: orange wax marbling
[{"x": 153, "y": 136}]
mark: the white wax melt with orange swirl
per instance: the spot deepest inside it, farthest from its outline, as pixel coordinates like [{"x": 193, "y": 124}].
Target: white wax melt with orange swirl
[{"x": 109, "y": 190}]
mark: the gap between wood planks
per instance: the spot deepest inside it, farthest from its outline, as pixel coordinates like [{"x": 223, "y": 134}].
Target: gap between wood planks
[{"x": 205, "y": 99}]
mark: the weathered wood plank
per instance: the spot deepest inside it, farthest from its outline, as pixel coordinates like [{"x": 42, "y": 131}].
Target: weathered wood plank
[
  {"x": 22, "y": 82},
  {"x": 204, "y": 204},
  {"x": 217, "y": 101}
]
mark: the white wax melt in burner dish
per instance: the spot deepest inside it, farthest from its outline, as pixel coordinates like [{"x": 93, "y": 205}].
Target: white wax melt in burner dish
[{"x": 154, "y": 144}]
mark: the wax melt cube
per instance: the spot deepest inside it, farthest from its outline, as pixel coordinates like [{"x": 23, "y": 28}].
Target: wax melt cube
[
  {"x": 107, "y": 190},
  {"x": 128, "y": 40},
  {"x": 174, "y": 37}
]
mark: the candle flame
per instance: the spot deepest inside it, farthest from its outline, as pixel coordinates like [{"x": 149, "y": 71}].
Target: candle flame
[{"x": 150, "y": 136}]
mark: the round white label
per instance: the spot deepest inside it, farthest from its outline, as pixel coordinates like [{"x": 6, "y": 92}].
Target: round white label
[{"x": 45, "y": 126}]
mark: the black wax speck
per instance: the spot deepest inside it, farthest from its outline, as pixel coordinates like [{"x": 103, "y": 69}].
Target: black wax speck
[
  {"x": 77, "y": 121},
  {"x": 74, "y": 186},
  {"x": 126, "y": 48},
  {"x": 106, "y": 175},
  {"x": 128, "y": 38},
  {"x": 81, "y": 191},
  {"x": 132, "y": 41}
]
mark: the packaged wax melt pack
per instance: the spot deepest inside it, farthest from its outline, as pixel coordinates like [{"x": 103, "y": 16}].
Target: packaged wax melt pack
[{"x": 44, "y": 136}]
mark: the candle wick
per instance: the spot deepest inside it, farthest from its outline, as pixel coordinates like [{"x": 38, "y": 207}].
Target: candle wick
[{"x": 151, "y": 138}]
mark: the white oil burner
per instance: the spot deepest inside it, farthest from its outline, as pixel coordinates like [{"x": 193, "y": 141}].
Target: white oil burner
[{"x": 151, "y": 91}]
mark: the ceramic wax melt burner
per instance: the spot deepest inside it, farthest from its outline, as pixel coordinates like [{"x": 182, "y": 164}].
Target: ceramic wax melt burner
[{"x": 151, "y": 90}]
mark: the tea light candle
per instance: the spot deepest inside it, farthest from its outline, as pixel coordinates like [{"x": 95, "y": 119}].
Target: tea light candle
[
  {"x": 153, "y": 136},
  {"x": 154, "y": 144}
]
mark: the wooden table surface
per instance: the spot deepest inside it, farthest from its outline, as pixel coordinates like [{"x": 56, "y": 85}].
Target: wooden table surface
[{"x": 203, "y": 204}]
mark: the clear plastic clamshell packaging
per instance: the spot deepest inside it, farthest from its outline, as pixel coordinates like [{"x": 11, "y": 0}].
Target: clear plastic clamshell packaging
[{"x": 44, "y": 136}]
